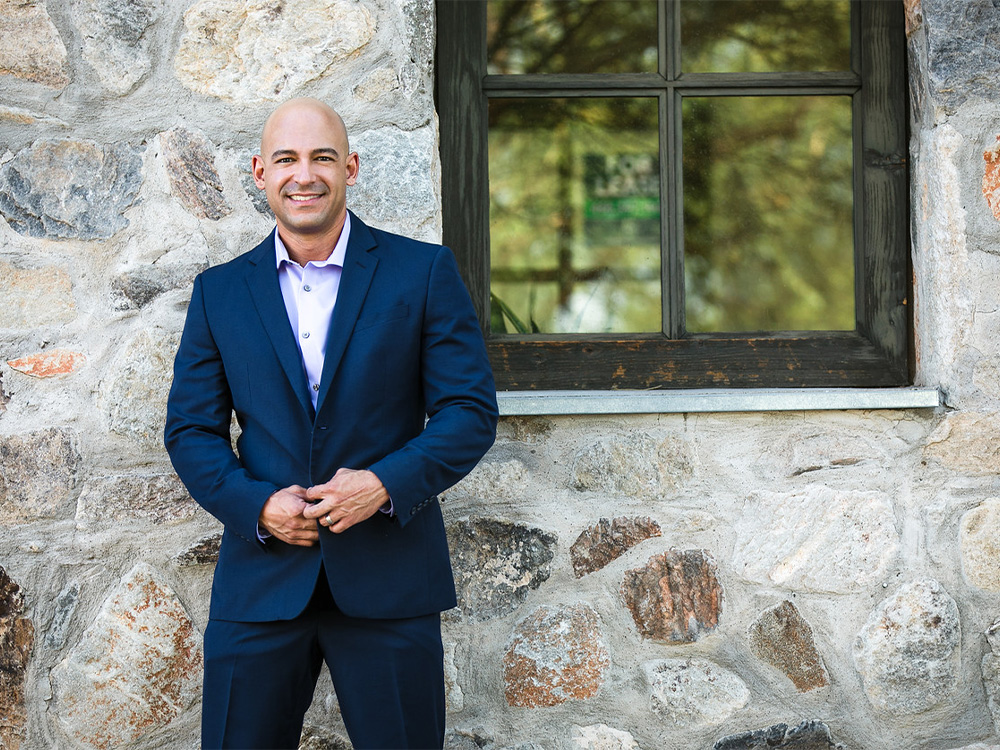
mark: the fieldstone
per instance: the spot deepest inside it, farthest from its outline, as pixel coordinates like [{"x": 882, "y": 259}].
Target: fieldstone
[
  {"x": 49, "y": 364},
  {"x": 454, "y": 697},
  {"x": 966, "y": 442},
  {"x": 496, "y": 564},
  {"x": 258, "y": 198},
  {"x": 38, "y": 473},
  {"x": 676, "y": 597},
  {"x": 133, "y": 397},
  {"x": 251, "y": 50},
  {"x": 137, "y": 287},
  {"x": 908, "y": 651},
  {"x": 990, "y": 666},
  {"x": 320, "y": 738},
  {"x": 66, "y": 601},
  {"x": 492, "y": 478},
  {"x": 556, "y": 654},
  {"x": 531, "y": 430},
  {"x": 30, "y": 46},
  {"x": 193, "y": 177},
  {"x": 816, "y": 539},
  {"x": 70, "y": 189},
  {"x": 980, "y": 544},
  {"x": 633, "y": 465},
  {"x": 17, "y": 636},
  {"x": 34, "y": 297},
  {"x": 396, "y": 182},
  {"x": 113, "y": 33},
  {"x": 145, "y": 499},
  {"x": 782, "y": 638},
  {"x": 468, "y": 739},
  {"x": 991, "y": 179},
  {"x": 963, "y": 47},
  {"x": 603, "y": 737},
  {"x": 135, "y": 669},
  {"x": 203, "y": 552},
  {"x": 377, "y": 84},
  {"x": 694, "y": 693},
  {"x": 809, "y": 735},
  {"x": 607, "y": 541}
]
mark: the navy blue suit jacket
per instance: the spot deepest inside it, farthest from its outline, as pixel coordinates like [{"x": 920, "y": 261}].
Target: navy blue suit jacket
[{"x": 406, "y": 392}]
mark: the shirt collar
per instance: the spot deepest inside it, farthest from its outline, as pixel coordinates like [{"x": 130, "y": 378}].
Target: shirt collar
[{"x": 336, "y": 257}]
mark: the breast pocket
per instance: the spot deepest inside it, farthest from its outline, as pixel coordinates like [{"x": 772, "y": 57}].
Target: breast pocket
[{"x": 378, "y": 317}]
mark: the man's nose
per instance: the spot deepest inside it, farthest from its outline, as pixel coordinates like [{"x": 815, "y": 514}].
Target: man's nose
[{"x": 303, "y": 171}]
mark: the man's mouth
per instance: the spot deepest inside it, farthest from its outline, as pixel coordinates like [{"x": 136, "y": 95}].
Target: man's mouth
[{"x": 302, "y": 198}]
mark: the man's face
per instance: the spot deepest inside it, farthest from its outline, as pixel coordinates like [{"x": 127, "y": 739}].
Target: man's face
[{"x": 304, "y": 168}]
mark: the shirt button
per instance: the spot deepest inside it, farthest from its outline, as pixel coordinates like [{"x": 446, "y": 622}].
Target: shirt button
[
  {"x": 305, "y": 335},
  {"x": 307, "y": 288},
  {"x": 315, "y": 386}
]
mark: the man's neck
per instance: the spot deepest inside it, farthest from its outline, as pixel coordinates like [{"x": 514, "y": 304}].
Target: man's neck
[{"x": 303, "y": 248}]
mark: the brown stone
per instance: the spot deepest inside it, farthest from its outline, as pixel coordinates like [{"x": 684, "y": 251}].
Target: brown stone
[
  {"x": 557, "y": 654},
  {"x": 37, "y": 475},
  {"x": 676, "y": 597},
  {"x": 35, "y": 297},
  {"x": 193, "y": 177},
  {"x": 145, "y": 498},
  {"x": 782, "y": 638},
  {"x": 609, "y": 540},
  {"x": 30, "y": 47},
  {"x": 991, "y": 179},
  {"x": 203, "y": 552},
  {"x": 49, "y": 364},
  {"x": 17, "y": 635}
]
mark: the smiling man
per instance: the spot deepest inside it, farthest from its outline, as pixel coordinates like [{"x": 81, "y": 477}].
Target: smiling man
[{"x": 355, "y": 366}]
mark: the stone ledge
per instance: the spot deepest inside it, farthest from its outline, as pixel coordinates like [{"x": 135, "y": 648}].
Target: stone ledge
[{"x": 524, "y": 403}]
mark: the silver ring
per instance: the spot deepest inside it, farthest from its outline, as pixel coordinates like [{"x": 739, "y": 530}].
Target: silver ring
[{"x": 329, "y": 521}]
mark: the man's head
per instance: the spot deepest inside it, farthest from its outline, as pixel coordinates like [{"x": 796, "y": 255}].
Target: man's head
[{"x": 305, "y": 165}]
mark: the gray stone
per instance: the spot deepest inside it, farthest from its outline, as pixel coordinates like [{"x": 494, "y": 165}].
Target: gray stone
[
  {"x": 55, "y": 633},
  {"x": 17, "y": 635},
  {"x": 320, "y": 738},
  {"x": 496, "y": 564},
  {"x": 990, "y": 667},
  {"x": 693, "y": 693},
  {"x": 34, "y": 297},
  {"x": 468, "y": 739},
  {"x": 782, "y": 638},
  {"x": 908, "y": 652},
  {"x": 809, "y": 735},
  {"x": 252, "y": 50},
  {"x": 203, "y": 552},
  {"x": 607, "y": 541},
  {"x": 38, "y": 473},
  {"x": 258, "y": 198},
  {"x": 133, "y": 397},
  {"x": 395, "y": 184},
  {"x": 137, "y": 287},
  {"x": 30, "y": 46},
  {"x": 963, "y": 50},
  {"x": 817, "y": 539},
  {"x": 602, "y": 737},
  {"x": 141, "y": 498},
  {"x": 980, "y": 544},
  {"x": 493, "y": 478},
  {"x": 114, "y": 39},
  {"x": 556, "y": 654},
  {"x": 136, "y": 668},
  {"x": 634, "y": 465},
  {"x": 193, "y": 178},
  {"x": 70, "y": 189}
]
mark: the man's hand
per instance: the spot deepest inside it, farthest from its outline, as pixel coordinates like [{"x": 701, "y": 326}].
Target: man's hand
[
  {"x": 349, "y": 498},
  {"x": 282, "y": 517}
]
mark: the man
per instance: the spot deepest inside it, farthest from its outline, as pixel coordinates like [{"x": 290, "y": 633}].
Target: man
[{"x": 355, "y": 366}]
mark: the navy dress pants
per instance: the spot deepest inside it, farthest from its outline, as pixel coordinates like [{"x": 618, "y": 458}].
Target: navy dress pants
[{"x": 260, "y": 678}]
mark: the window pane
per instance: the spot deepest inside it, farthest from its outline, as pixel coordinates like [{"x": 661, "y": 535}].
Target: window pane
[
  {"x": 728, "y": 36},
  {"x": 768, "y": 238},
  {"x": 574, "y": 215},
  {"x": 571, "y": 36}
]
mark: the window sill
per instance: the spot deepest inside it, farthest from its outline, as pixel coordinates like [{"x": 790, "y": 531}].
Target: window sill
[{"x": 525, "y": 403}]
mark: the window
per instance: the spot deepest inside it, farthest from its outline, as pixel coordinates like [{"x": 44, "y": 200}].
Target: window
[{"x": 679, "y": 194}]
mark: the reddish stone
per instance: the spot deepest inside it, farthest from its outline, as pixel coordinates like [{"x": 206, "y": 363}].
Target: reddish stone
[
  {"x": 676, "y": 597},
  {"x": 49, "y": 364},
  {"x": 607, "y": 541},
  {"x": 17, "y": 635},
  {"x": 557, "y": 654},
  {"x": 782, "y": 638},
  {"x": 914, "y": 16},
  {"x": 193, "y": 178},
  {"x": 991, "y": 179}
]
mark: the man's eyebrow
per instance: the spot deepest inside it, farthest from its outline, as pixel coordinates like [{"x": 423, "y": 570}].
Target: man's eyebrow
[{"x": 315, "y": 152}]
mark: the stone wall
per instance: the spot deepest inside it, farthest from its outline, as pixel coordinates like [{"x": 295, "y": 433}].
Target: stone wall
[{"x": 806, "y": 579}]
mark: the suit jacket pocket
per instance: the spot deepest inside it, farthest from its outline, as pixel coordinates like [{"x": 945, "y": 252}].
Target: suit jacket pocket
[{"x": 377, "y": 317}]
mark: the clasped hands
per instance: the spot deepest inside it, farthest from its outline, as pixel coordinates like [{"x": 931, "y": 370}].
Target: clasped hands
[{"x": 294, "y": 514}]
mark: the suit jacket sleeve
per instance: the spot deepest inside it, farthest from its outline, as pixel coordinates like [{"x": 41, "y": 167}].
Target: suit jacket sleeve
[
  {"x": 197, "y": 437},
  {"x": 459, "y": 395}
]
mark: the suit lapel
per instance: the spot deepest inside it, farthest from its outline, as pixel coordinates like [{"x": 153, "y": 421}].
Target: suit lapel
[
  {"x": 262, "y": 278},
  {"x": 356, "y": 278}
]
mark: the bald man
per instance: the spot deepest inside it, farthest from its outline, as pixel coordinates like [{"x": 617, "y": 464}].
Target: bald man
[{"x": 354, "y": 363}]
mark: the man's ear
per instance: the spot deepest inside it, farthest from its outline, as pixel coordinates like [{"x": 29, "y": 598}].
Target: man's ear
[
  {"x": 353, "y": 166},
  {"x": 257, "y": 169}
]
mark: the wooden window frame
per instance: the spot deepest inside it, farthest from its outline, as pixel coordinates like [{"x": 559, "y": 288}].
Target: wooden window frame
[{"x": 878, "y": 353}]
